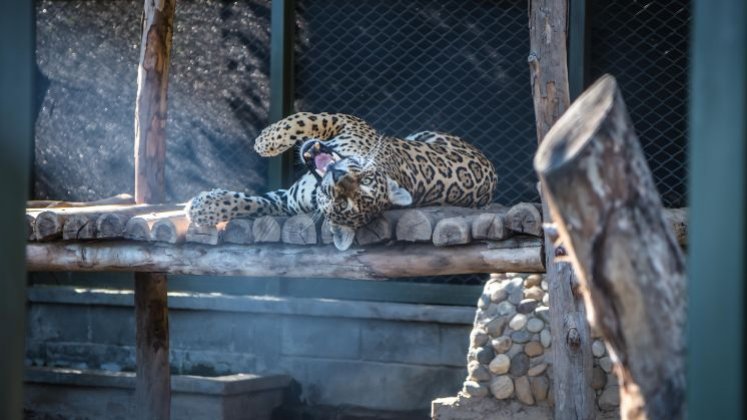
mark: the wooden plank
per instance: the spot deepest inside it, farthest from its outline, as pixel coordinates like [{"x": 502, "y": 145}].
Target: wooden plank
[
  {"x": 621, "y": 245},
  {"x": 50, "y": 204},
  {"x": 377, "y": 262},
  {"x": 571, "y": 336}
]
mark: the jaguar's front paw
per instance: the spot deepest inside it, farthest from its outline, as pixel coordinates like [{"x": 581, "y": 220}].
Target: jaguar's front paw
[{"x": 208, "y": 208}]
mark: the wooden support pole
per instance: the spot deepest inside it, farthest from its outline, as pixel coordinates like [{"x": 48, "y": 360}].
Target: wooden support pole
[
  {"x": 153, "y": 385},
  {"x": 571, "y": 337},
  {"x": 610, "y": 218}
]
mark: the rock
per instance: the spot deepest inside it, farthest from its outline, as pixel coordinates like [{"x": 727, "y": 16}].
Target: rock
[
  {"x": 484, "y": 355},
  {"x": 545, "y": 338},
  {"x": 523, "y": 390},
  {"x": 598, "y": 378},
  {"x": 520, "y": 337},
  {"x": 546, "y": 299},
  {"x": 533, "y": 280},
  {"x": 610, "y": 398},
  {"x": 477, "y": 372},
  {"x": 478, "y": 337},
  {"x": 515, "y": 349},
  {"x": 597, "y": 348},
  {"x": 535, "y": 325},
  {"x": 533, "y": 293},
  {"x": 543, "y": 312},
  {"x": 475, "y": 390},
  {"x": 519, "y": 365},
  {"x": 606, "y": 364},
  {"x": 516, "y": 296},
  {"x": 495, "y": 327},
  {"x": 518, "y": 322},
  {"x": 533, "y": 349},
  {"x": 483, "y": 302},
  {"x": 500, "y": 364},
  {"x": 540, "y": 385},
  {"x": 505, "y": 308},
  {"x": 498, "y": 294},
  {"x": 545, "y": 286},
  {"x": 502, "y": 387},
  {"x": 515, "y": 283},
  {"x": 501, "y": 344},
  {"x": 537, "y": 370},
  {"x": 526, "y": 306}
]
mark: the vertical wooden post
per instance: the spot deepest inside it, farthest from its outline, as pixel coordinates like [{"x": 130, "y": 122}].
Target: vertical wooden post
[
  {"x": 718, "y": 228},
  {"x": 153, "y": 386},
  {"x": 571, "y": 350},
  {"x": 16, "y": 134}
]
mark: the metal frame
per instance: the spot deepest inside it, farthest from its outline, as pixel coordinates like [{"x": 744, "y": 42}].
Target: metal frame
[
  {"x": 718, "y": 211},
  {"x": 16, "y": 132},
  {"x": 282, "y": 34},
  {"x": 578, "y": 47}
]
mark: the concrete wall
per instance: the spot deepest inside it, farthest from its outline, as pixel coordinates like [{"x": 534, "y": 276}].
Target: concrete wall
[{"x": 380, "y": 356}]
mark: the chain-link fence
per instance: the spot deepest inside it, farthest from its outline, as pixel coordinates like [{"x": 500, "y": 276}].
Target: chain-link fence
[{"x": 644, "y": 44}]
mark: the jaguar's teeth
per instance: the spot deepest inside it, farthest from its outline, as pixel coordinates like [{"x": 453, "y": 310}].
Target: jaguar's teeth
[
  {"x": 317, "y": 146},
  {"x": 307, "y": 155}
]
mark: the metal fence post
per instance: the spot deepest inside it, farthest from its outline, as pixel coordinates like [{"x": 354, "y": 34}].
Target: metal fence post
[{"x": 718, "y": 211}]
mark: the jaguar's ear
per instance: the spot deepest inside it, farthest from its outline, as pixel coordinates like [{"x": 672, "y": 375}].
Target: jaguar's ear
[
  {"x": 398, "y": 196},
  {"x": 343, "y": 236}
]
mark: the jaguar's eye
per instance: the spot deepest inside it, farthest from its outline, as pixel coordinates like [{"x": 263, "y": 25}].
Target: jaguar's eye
[
  {"x": 367, "y": 180},
  {"x": 343, "y": 204}
]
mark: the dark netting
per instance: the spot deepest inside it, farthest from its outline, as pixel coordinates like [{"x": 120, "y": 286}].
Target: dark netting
[
  {"x": 644, "y": 44},
  {"x": 455, "y": 66}
]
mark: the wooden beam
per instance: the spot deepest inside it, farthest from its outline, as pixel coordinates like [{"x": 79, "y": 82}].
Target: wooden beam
[
  {"x": 612, "y": 223},
  {"x": 275, "y": 260},
  {"x": 153, "y": 385},
  {"x": 571, "y": 337}
]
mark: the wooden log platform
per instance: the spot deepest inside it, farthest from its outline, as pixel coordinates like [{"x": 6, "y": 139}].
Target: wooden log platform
[{"x": 439, "y": 226}]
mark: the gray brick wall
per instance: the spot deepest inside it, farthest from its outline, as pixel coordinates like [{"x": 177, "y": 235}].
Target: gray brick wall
[{"x": 374, "y": 355}]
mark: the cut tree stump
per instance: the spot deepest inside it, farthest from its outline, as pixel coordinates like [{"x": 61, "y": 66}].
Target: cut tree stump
[
  {"x": 268, "y": 229},
  {"x": 525, "y": 218},
  {"x": 239, "y": 231},
  {"x": 610, "y": 219},
  {"x": 299, "y": 230}
]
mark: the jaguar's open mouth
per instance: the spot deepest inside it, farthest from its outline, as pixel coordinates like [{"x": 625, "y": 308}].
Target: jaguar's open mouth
[{"x": 319, "y": 158}]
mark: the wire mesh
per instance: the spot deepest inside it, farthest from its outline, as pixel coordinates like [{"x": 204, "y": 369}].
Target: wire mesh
[
  {"x": 454, "y": 66},
  {"x": 644, "y": 44}
]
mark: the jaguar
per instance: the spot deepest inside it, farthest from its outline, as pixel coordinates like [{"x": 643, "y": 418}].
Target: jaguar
[{"x": 354, "y": 173}]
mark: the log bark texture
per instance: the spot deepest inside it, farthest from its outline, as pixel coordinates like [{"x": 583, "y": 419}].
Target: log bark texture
[
  {"x": 571, "y": 350},
  {"x": 610, "y": 218},
  {"x": 276, "y": 260}
]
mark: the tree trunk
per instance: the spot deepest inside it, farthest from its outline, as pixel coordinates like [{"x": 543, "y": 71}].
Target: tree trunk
[
  {"x": 571, "y": 350},
  {"x": 612, "y": 223},
  {"x": 153, "y": 385}
]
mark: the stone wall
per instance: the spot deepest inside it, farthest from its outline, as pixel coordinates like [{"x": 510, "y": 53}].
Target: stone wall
[
  {"x": 377, "y": 356},
  {"x": 87, "y": 55},
  {"x": 510, "y": 360}
]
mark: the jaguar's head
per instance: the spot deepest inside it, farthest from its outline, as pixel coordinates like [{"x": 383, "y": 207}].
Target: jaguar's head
[{"x": 352, "y": 190}]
